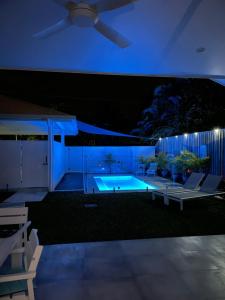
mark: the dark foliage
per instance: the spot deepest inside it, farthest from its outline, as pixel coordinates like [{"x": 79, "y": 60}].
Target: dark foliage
[{"x": 184, "y": 105}]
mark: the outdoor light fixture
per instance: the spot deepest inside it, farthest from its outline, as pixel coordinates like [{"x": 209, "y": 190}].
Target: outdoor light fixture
[
  {"x": 176, "y": 136},
  {"x": 160, "y": 138},
  {"x": 200, "y": 49},
  {"x": 185, "y": 135},
  {"x": 195, "y": 133},
  {"x": 216, "y": 130}
]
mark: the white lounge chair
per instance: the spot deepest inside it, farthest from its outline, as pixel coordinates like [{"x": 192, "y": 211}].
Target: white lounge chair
[
  {"x": 19, "y": 284},
  {"x": 208, "y": 189},
  {"x": 8, "y": 245},
  {"x": 152, "y": 169},
  {"x": 15, "y": 216},
  {"x": 192, "y": 183}
]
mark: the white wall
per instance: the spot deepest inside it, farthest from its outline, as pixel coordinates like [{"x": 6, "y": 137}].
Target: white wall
[
  {"x": 143, "y": 150},
  {"x": 74, "y": 159},
  {"x": 10, "y": 164},
  {"x": 94, "y": 156},
  {"x": 22, "y": 164}
]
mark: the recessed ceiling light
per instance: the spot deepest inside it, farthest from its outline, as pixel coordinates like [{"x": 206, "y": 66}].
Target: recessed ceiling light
[{"x": 200, "y": 49}]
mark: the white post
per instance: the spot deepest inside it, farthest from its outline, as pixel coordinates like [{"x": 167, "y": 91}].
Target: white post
[
  {"x": 84, "y": 187},
  {"x": 64, "y": 152},
  {"x": 50, "y": 156}
]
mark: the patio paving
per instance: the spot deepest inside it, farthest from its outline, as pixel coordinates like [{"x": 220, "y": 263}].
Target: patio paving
[
  {"x": 169, "y": 268},
  {"x": 26, "y": 195},
  {"x": 160, "y": 182},
  {"x": 71, "y": 182}
]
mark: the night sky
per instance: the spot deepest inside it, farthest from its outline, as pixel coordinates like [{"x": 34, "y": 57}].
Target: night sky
[{"x": 112, "y": 102}]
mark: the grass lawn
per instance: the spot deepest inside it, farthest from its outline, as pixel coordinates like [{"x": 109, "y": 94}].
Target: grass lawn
[{"x": 75, "y": 217}]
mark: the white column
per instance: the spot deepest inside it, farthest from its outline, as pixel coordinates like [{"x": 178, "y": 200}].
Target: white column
[
  {"x": 50, "y": 156},
  {"x": 64, "y": 151}
]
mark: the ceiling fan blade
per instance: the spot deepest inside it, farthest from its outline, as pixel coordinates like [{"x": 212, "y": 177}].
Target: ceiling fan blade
[
  {"x": 103, "y": 5},
  {"x": 111, "y": 34},
  {"x": 59, "y": 26}
]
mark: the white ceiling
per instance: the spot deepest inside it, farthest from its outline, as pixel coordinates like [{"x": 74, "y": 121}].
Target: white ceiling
[{"x": 164, "y": 33}]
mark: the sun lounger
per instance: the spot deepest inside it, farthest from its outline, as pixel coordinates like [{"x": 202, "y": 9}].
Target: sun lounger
[
  {"x": 192, "y": 183},
  {"x": 7, "y": 245},
  {"x": 208, "y": 189}
]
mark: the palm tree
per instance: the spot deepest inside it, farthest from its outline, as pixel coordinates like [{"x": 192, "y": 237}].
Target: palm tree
[{"x": 109, "y": 160}]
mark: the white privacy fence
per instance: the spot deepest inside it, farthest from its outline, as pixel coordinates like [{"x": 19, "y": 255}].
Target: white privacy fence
[
  {"x": 23, "y": 164},
  {"x": 207, "y": 143},
  {"x": 95, "y": 159}
]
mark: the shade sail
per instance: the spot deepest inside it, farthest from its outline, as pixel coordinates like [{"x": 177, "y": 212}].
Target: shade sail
[{"x": 84, "y": 127}]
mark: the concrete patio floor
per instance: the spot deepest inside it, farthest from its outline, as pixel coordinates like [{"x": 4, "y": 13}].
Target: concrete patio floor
[
  {"x": 169, "y": 268},
  {"x": 71, "y": 182},
  {"x": 25, "y": 195}
]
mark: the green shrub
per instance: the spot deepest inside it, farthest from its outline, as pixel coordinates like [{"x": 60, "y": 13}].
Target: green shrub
[{"x": 189, "y": 161}]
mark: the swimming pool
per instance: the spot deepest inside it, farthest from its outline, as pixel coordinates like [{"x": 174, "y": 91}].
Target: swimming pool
[{"x": 121, "y": 183}]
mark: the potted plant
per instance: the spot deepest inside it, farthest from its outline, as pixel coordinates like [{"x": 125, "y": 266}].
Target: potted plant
[
  {"x": 171, "y": 166},
  {"x": 109, "y": 161},
  {"x": 187, "y": 162},
  {"x": 204, "y": 164},
  {"x": 162, "y": 162},
  {"x": 142, "y": 162}
]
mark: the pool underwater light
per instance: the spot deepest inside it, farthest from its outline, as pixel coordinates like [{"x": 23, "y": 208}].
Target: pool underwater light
[{"x": 122, "y": 183}]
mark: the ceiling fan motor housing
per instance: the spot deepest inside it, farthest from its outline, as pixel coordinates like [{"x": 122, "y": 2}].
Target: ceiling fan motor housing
[{"x": 82, "y": 15}]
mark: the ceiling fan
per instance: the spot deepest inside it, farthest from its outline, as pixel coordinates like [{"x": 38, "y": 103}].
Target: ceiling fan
[{"x": 83, "y": 14}]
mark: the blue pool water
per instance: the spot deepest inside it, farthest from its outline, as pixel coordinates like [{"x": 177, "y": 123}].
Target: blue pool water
[{"x": 122, "y": 183}]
